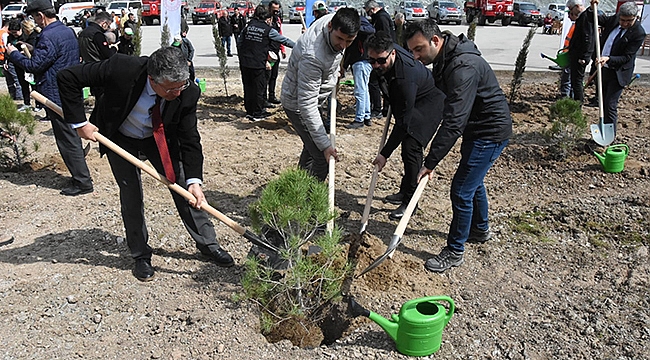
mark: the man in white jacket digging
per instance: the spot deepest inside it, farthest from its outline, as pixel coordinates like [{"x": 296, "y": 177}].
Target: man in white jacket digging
[{"x": 311, "y": 75}]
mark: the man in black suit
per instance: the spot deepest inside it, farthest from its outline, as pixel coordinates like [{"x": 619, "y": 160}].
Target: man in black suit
[
  {"x": 581, "y": 46},
  {"x": 417, "y": 107},
  {"x": 139, "y": 93},
  {"x": 621, "y": 38},
  {"x": 381, "y": 21}
]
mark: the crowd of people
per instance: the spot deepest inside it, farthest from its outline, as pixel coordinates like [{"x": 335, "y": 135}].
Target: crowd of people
[{"x": 147, "y": 105}]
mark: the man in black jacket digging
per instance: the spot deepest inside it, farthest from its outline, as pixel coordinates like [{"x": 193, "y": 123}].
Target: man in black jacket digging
[
  {"x": 416, "y": 104},
  {"x": 477, "y": 110}
]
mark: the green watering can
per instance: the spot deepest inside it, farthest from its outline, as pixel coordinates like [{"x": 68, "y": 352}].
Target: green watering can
[
  {"x": 562, "y": 58},
  {"x": 614, "y": 159},
  {"x": 417, "y": 330}
]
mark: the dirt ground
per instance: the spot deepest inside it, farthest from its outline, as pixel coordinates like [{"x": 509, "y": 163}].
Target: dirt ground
[{"x": 566, "y": 275}]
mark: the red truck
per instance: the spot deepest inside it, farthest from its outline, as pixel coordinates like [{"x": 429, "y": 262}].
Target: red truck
[
  {"x": 489, "y": 10},
  {"x": 151, "y": 11}
]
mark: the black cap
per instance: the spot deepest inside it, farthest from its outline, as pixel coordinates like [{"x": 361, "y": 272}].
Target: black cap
[{"x": 38, "y": 5}]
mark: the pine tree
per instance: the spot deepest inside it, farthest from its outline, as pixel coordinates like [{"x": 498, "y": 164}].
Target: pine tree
[
  {"x": 165, "y": 35},
  {"x": 221, "y": 53},
  {"x": 137, "y": 35},
  {"x": 471, "y": 30},
  {"x": 520, "y": 65}
]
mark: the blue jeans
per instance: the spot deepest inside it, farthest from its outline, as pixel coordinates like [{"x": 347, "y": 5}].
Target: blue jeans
[
  {"x": 468, "y": 197},
  {"x": 361, "y": 72},
  {"x": 225, "y": 42}
]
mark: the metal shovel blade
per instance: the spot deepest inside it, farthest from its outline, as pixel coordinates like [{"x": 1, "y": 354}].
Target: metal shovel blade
[
  {"x": 603, "y": 134},
  {"x": 401, "y": 227}
]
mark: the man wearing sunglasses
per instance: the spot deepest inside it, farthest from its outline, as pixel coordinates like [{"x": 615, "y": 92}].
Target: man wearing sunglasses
[
  {"x": 311, "y": 75},
  {"x": 149, "y": 110},
  {"x": 476, "y": 109},
  {"x": 416, "y": 104}
]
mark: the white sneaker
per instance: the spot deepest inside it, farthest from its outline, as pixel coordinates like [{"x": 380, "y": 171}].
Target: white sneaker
[{"x": 24, "y": 108}]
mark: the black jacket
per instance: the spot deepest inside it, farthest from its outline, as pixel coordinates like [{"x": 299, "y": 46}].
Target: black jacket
[
  {"x": 225, "y": 30},
  {"x": 415, "y": 101},
  {"x": 382, "y": 21},
  {"x": 123, "y": 79},
  {"x": 476, "y": 107},
  {"x": 237, "y": 23},
  {"x": 93, "y": 45},
  {"x": 582, "y": 43},
  {"x": 623, "y": 53}
]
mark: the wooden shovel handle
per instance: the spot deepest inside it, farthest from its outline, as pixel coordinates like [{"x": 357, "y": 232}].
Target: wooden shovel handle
[
  {"x": 375, "y": 173},
  {"x": 148, "y": 169},
  {"x": 332, "y": 161}
]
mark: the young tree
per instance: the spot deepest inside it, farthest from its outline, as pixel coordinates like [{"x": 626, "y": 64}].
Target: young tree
[
  {"x": 165, "y": 35},
  {"x": 520, "y": 65},
  {"x": 221, "y": 53},
  {"x": 137, "y": 35},
  {"x": 13, "y": 128}
]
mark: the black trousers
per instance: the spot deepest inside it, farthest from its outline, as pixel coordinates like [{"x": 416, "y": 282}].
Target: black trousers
[
  {"x": 24, "y": 85},
  {"x": 612, "y": 91},
  {"x": 375, "y": 93},
  {"x": 69, "y": 144},
  {"x": 577, "y": 80},
  {"x": 130, "y": 183},
  {"x": 412, "y": 157},
  {"x": 254, "y": 81},
  {"x": 272, "y": 77}
]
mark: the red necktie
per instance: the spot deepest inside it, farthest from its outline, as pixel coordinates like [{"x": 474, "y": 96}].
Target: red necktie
[{"x": 161, "y": 141}]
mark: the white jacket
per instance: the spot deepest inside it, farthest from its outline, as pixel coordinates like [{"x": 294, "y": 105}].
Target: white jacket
[{"x": 311, "y": 75}]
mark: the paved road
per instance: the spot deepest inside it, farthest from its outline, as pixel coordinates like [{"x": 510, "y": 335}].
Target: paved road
[{"x": 499, "y": 45}]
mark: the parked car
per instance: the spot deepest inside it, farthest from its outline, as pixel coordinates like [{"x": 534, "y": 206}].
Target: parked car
[
  {"x": 76, "y": 21},
  {"x": 556, "y": 10},
  {"x": 295, "y": 11},
  {"x": 206, "y": 12},
  {"x": 68, "y": 11},
  {"x": 445, "y": 12},
  {"x": 334, "y": 5},
  {"x": 245, "y": 7},
  {"x": 527, "y": 13},
  {"x": 12, "y": 11},
  {"x": 413, "y": 10},
  {"x": 130, "y": 6}
]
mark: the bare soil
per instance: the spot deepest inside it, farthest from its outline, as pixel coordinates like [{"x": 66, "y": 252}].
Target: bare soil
[{"x": 566, "y": 275}]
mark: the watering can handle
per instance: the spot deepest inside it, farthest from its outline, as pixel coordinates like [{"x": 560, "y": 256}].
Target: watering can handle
[
  {"x": 450, "y": 301},
  {"x": 627, "y": 148}
]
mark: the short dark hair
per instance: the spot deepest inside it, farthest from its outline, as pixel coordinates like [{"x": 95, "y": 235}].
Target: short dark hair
[
  {"x": 380, "y": 41},
  {"x": 49, "y": 13},
  {"x": 101, "y": 17},
  {"x": 347, "y": 21},
  {"x": 14, "y": 25},
  {"x": 273, "y": 2},
  {"x": 428, "y": 28},
  {"x": 168, "y": 64},
  {"x": 261, "y": 13}
]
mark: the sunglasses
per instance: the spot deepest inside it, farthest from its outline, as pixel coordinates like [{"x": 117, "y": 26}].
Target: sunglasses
[{"x": 380, "y": 61}]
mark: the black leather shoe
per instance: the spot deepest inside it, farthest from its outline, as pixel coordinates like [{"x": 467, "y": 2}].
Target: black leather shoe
[
  {"x": 395, "y": 199},
  {"x": 275, "y": 101},
  {"x": 367, "y": 122},
  {"x": 398, "y": 213},
  {"x": 269, "y": 105},
  {"x": 143, "y": 270},
  {"x": 74, "y": 190},
  {"x": 219, "y": 256}
]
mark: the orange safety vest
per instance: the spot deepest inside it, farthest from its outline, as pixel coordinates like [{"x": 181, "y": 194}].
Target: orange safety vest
[
  {"x": 2, "y": 43},
  {"x": 567, "y": 39}
]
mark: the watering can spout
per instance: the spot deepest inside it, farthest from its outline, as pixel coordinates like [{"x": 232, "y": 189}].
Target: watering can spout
[
  {"x": 389, "y": 326},
  {"x": 600, "y": 158}
]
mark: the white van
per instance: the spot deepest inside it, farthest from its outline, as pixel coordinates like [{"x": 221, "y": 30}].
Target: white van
[{"x": 69, "y": 10}]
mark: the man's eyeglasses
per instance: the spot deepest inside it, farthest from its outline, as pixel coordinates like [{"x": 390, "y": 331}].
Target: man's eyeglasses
[{"x": 180, "y": 88}]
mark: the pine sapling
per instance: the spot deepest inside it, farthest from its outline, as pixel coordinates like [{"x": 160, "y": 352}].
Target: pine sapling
[
  {"x": 471, "y": 30},
  {"x": 137, "y": 35},
  {"x": 221, "y": 53},
  {"x": 165, "y": 35},
  {"x": 520, "y": 65},
  {"x": 14, "y": 126}
]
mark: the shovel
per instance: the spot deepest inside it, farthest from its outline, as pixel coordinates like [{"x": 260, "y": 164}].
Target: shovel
[
  {"x": 401, "y": 227},
  {"x": 332, "y": 161},
  {"x": 603, "y": 134},
  {"x": 247, "y": 234},
  {"x": 375, "y": 173}
]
